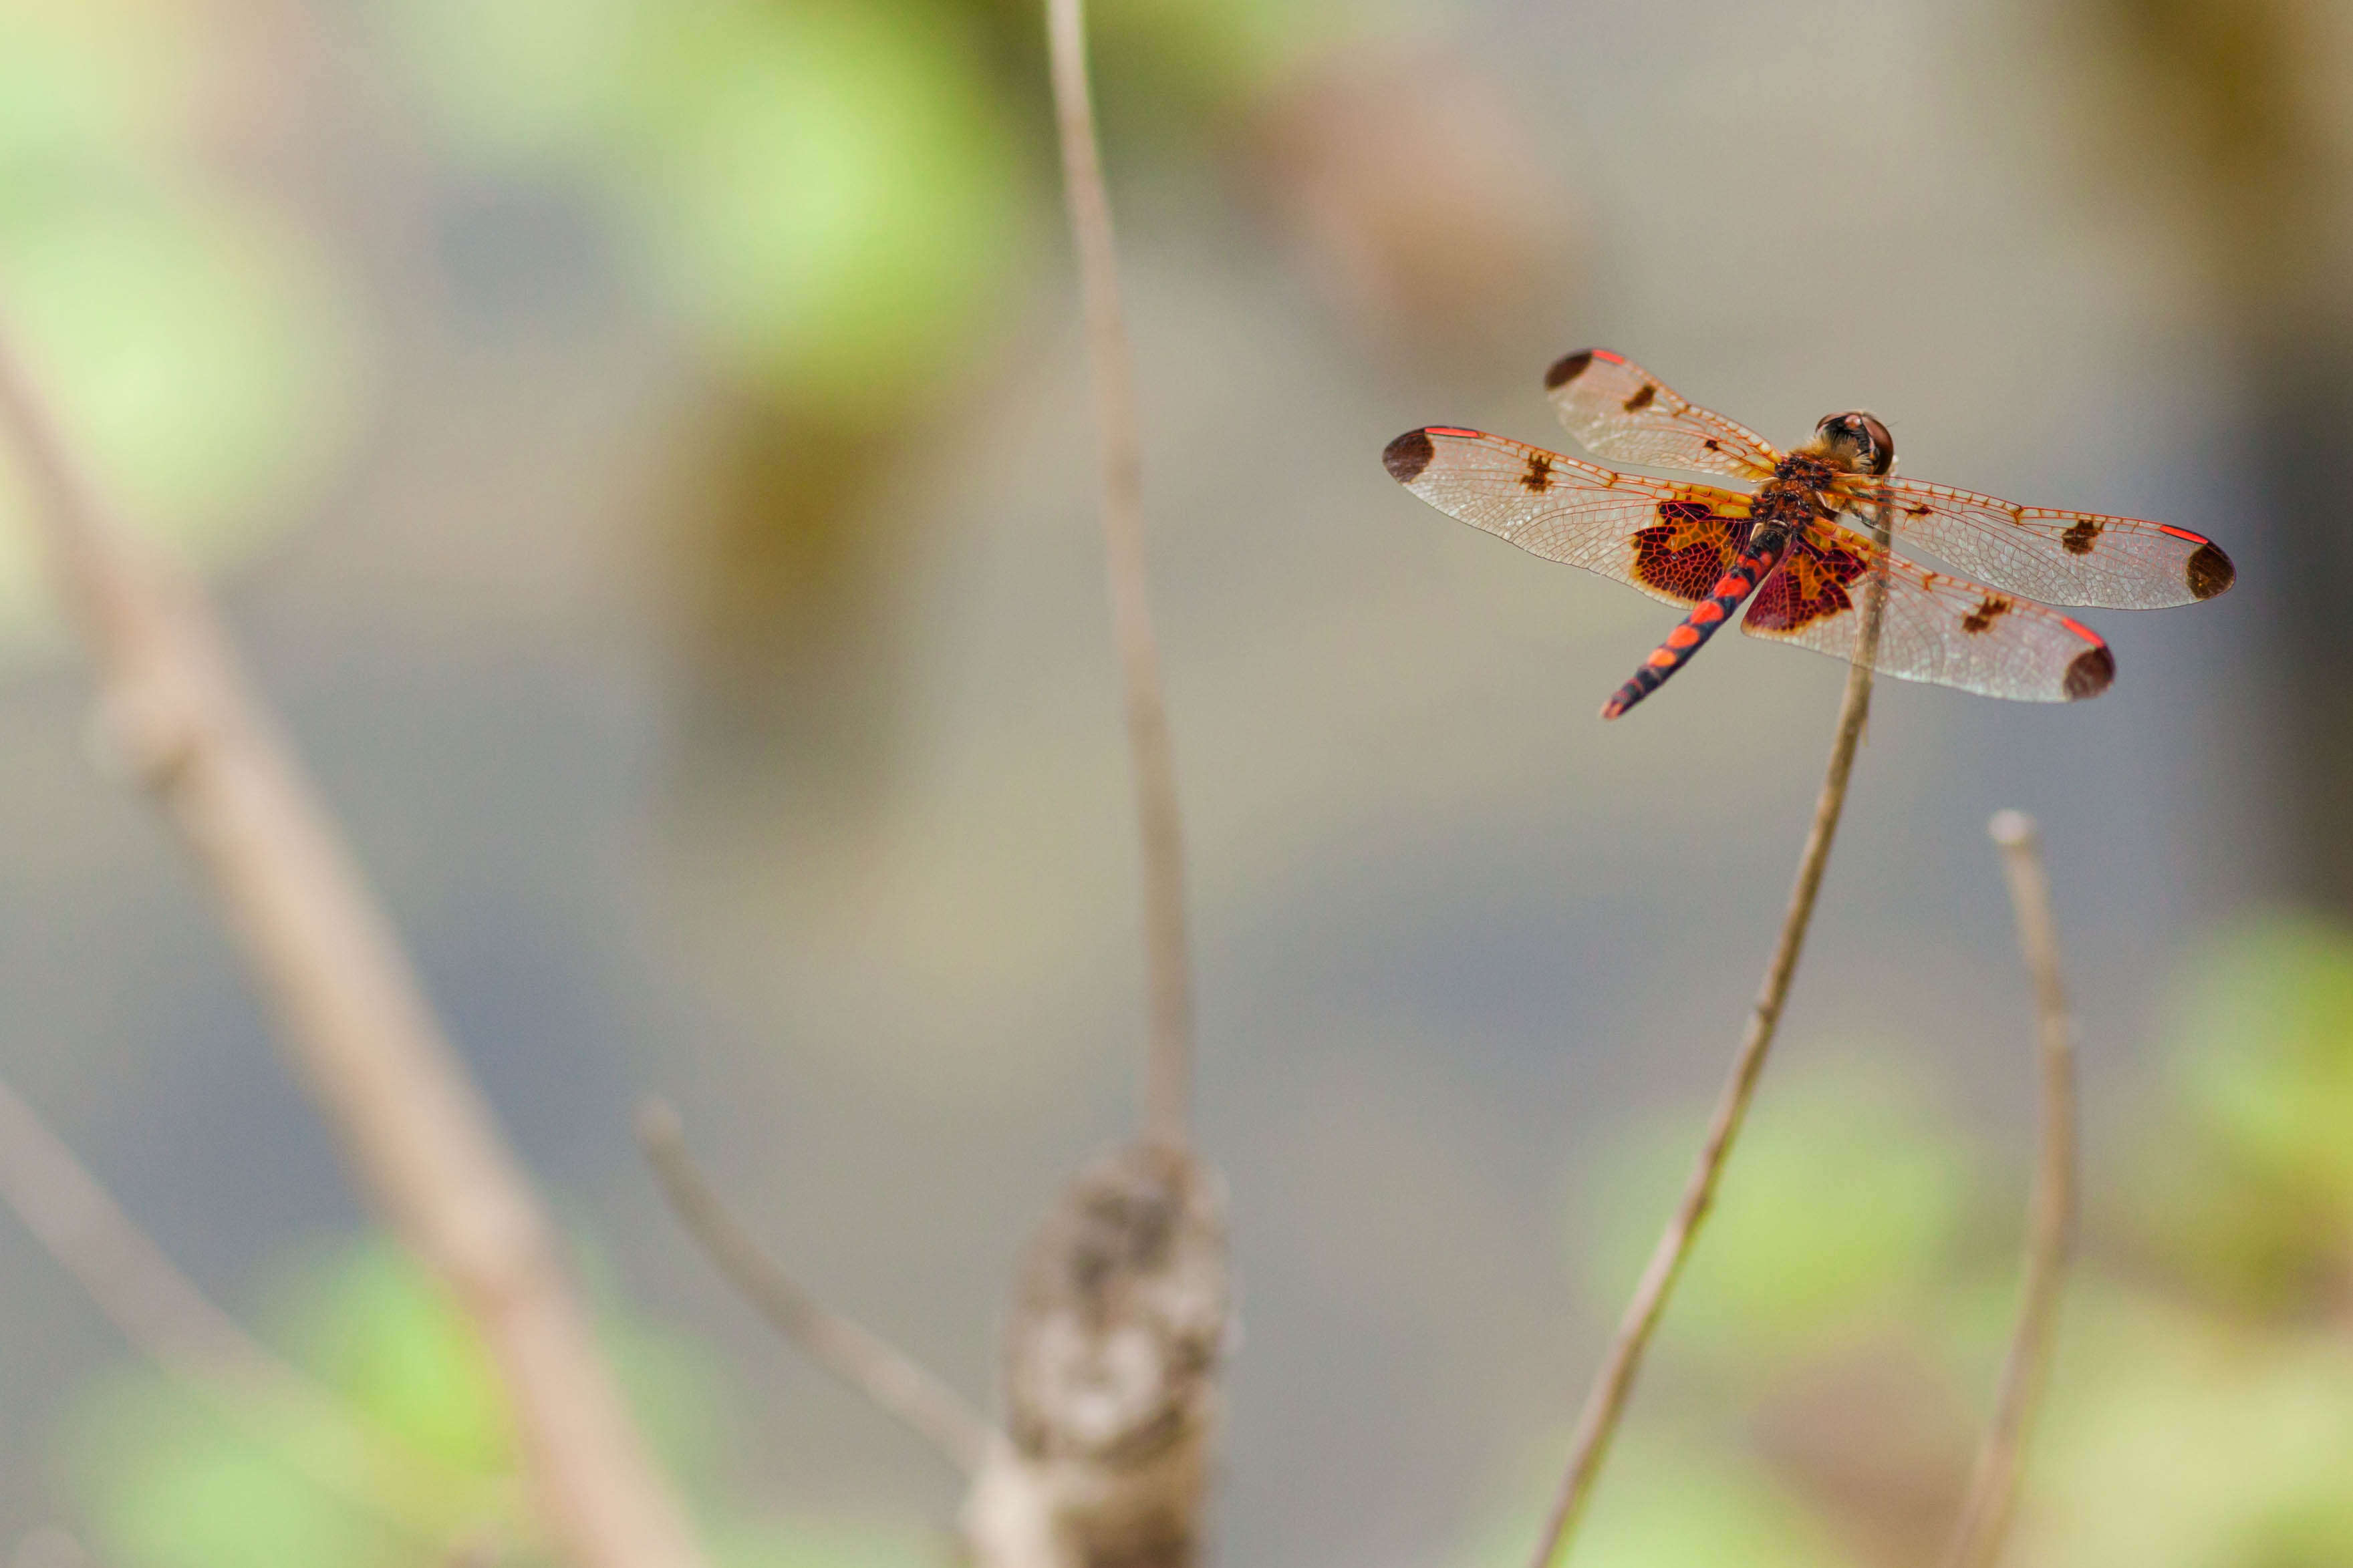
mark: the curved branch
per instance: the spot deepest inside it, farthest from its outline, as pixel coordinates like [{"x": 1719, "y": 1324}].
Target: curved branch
[
  {"x": 1168, "y": 1090},
  {"x": 1605, "y": 1405},
  {"x": 2050, "y": 1208},
  {"x": 885, "y": 1375}
]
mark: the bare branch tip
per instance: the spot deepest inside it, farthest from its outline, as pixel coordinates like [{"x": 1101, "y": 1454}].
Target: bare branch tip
[
  {"x": 2013, "y": 829},
  {"x": 661, "y": 1129}
]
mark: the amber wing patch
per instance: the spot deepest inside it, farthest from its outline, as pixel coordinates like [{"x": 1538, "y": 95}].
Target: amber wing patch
[
  {"x": 1683, "y": 554},
  {"x": 1810, "y": 585}
]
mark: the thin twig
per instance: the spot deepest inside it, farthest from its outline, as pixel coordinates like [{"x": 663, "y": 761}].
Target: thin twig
[
  {"x": 1597, "y": 1422},
  {"x": 2051, "y": 1208},
  {"x": 353, "y": 1017},
  {"x": 1167, "y": 1094},
  {"x": 885, "y": 1375},
  {"x": 160, "y": 1311}
]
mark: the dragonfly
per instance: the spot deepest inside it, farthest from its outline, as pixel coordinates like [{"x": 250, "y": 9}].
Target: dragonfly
[{"x": 1803, "y": 538}]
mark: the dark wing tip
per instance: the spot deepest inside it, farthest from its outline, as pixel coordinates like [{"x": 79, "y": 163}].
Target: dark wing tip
[
  {"x": 1567, "y": 369},
  {"x": 2091, "y": 673},
  {"x": 1406, "y": 457},
  {"x": 2210, "y": 571}
]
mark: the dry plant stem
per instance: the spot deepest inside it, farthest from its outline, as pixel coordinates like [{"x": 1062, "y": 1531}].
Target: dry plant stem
[
  {"x": 164, "y": 1314},
  {"x": 1169, "y": 1074},
  {"x": 1597, "y": 1422},
  {"x": 353, "y": 1017},
  {"x": 885, "y": 1375},
  {"x": 2050, "y": 1209}
]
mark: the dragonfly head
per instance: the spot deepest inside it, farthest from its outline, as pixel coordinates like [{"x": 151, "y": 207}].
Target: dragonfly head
[{"x": 1858, "y": 440}]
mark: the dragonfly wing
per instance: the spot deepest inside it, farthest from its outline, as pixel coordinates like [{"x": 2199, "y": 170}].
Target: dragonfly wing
[
  {"x": 1943, "y": 630},
  {"x": 1622, "y": 412},
  {"x": 1669, "y": 538},
  {"x": 2060, "y": 557}
]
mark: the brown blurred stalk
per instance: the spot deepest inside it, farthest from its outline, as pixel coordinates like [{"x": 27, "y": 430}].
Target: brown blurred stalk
[
  {"x": 1121, "y": 1313},
  {"x": 1605, "y": 1403},
  {"x": 2051, "y": 1208},
  {"x": 1168, "y": 1074},
  {"x": 353, "y": 1017}
]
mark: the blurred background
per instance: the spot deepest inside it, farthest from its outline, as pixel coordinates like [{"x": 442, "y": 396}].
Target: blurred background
[{"x": 643, "y": 444}]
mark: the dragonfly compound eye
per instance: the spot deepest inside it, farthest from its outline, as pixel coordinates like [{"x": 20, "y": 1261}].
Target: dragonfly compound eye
[
  {"x": 1862, "y": 435},
  {"x": 1880, "y": 453}
]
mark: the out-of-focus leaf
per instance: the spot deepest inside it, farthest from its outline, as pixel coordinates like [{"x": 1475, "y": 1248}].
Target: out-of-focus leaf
[
  {"x": 1676, "y": 1503},
  {"x": 2257, "y": 1202},
  {"x": 512, "y": 82},
  {"x": 833, "y": 199},
  {"x": 827, "y": 193},
  {"x": 1843, "y": 1200},
  {"x": 176, "y": 1481},
  {"x": 2176, "y": 1441},
  {"x": 167, "y": 1483},
  {"x": 78, "y": 90},
  {"x": 197, "y": 349},
  {"x": 371, "y": 1326},
  {"x": 200, "y": 359},
  {"x": 1158, "y": 58},
  {"x": 2268, "y": 1059}
]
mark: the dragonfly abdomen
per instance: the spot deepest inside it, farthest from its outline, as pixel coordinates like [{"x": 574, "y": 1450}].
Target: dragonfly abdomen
[{"x": 1737, "y": 582}]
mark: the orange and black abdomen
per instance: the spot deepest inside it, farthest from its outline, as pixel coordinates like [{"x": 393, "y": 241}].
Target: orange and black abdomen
[{"x": 1737, "y": 582}]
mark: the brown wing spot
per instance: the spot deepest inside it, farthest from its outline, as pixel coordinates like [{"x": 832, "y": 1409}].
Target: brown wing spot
[
  {"x": 1689, "y": 548},
  {"x": 1991, "y": 608},
  {"x": 1641, "y": 398},
  {"x": 2210, "y": 571},
  {"x": 1538, "y": 478},
  {"x": 1406, "y": 457},
  {"x": 1567, "y": 369},
  {"x": 2078, "y": 538},
  {"x": 1712, "y": 445},
  {"x": 2090, "y": 673},
  {"x": 1918, "y": 509}
]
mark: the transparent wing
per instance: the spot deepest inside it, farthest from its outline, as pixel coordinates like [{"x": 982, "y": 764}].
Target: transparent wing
[
  {"x": 2059, "y": 557},
  {"x": 1940, "y": 629},
  {"x": 1622, "y": 412},
  {"x": 1669, "y": 538}
]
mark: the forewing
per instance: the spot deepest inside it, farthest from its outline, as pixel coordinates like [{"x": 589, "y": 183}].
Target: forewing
[
  {"x": 2060, "y": 557},
  {"x": 1620, "y": 411},
  {"x": 1669, "y": 538},
  {"x": 1936, "y": 628}
]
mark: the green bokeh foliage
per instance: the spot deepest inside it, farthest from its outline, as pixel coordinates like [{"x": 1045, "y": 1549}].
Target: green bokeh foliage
[
  {"x": 171, "y": 1476},
  {"x": 199, "y": 348},
  {"x": 2200, "y": 1413}
]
